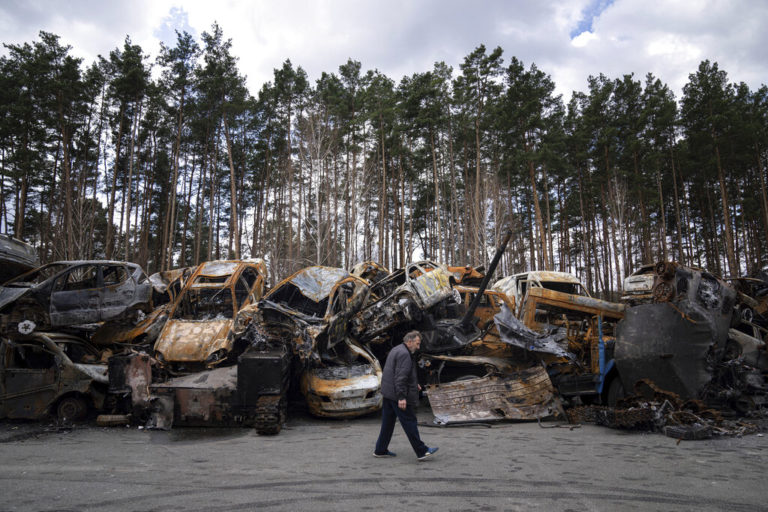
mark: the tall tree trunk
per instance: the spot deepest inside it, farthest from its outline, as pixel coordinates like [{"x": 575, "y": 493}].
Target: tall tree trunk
[
  {"x": 733, "y": 267},
  {"x": 662, "y": 217},
  {"x": 109, "y": 245},
  {"x": 544, "y": 253},
  {"x": 763, "y": 194},
  {"x": 233, "y": 192},
  {"x": 199, "y": 200},
  {"x": 136, "y": 116},
  {"x": 383, "y": 196},
  {"x": 439, "y": 231},
  {"x": 680, "y": 255},
  {"x": 67, "y": 184}
]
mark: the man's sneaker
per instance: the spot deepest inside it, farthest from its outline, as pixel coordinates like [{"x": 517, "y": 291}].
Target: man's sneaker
[
  {"x": 430, "y": 452},
  {"x": 382, "y": 455}
]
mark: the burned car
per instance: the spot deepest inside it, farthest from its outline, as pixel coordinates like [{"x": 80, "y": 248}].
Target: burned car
[
  {"x": 405, "y": 297},
  {"x": 198, "y": 333},
  {"x": 639, "y": 285},
  {"x": 517, "y": 286},
  {"x": 73, "y": 293},
  {"x": 311, "y": 310},
  {"x": 751, "y": 300},
  {"x": 16, "y": 257},
  {"x": 38, "y": 377}
]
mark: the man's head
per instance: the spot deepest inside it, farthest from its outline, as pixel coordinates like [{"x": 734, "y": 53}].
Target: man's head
[{"x": 412, "y": 340}]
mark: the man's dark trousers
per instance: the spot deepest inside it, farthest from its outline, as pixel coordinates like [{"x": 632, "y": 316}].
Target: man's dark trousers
[{"x": 407, "y": 417}]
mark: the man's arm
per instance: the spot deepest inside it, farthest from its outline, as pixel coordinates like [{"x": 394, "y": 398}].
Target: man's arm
[{"x": 402, "y": 376}]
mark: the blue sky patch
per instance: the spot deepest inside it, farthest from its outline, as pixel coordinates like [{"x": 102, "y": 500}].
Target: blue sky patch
[
  {"x": 176, "y": 20},
  {"x": 590, "y": 12}
]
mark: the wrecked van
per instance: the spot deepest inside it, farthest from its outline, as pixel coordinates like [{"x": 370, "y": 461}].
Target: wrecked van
[
  {"x": 38, "y": 378},
  {"x": 197, "y": 334},
  {"x": 73, "y": 293}
]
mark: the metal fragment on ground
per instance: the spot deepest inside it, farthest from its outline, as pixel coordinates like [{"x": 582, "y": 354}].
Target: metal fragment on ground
[{"x": 524, "y": 395}]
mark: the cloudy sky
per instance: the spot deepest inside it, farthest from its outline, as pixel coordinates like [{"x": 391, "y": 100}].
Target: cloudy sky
[{"x": 568, "y": 39}]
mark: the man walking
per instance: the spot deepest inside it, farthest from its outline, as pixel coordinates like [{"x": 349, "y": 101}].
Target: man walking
[{"x": 400, "y": 389}]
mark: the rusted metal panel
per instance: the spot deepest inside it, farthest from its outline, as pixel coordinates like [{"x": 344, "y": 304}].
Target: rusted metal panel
[
  {"x": 192, "y": 341},
  {"x": 524, "y": 395},
  {"x": 202, "y": 399},
  {"x": 249, "y": 394},
  {"x": 538, "y": 299},
  {"x": 130, "y": 376}
]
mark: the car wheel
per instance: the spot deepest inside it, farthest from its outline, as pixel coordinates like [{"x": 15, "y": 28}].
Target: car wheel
[{"x": 71, "y": 408}]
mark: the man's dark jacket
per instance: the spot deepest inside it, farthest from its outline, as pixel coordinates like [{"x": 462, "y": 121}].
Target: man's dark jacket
[{"x": 399, "y": 379}]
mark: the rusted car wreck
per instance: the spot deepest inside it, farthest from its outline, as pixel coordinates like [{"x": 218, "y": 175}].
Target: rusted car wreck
[
  {"x": 39, "y": 378},
  {"x": 198, "y": 333},
  {"x": 311, "y": 310}
]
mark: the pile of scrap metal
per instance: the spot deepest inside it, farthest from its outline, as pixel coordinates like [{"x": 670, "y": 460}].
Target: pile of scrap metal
[
  {"x": 206, "y": 373},
  {"x": 309, "y": 312},
  {"x": 554, "y": 322},
  {"x": 651, "y": 408},
  {"x": 47, "y": 316},
  {"x": 469, "y": 368},
  {"x": 172, "y": 323}
]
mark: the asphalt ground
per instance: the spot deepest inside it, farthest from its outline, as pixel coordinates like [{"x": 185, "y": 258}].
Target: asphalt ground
[{"x": 316, "y": 464}]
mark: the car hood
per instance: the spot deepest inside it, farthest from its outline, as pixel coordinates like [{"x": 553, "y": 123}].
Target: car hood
[
  {"x": 10, "y": 294},
  {"x": 192, "y": 340}
]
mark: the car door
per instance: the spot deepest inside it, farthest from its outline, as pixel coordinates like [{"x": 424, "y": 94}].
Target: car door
[
  {"x": 119, "y": 290},
  {"x": 76, "y": 296},
  {"x": 28, "y": 380}
]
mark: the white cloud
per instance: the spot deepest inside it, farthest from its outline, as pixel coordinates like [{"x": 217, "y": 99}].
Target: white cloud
[
  {"x": 400, "y": 37},
  {"x": 584, "y": 39}
]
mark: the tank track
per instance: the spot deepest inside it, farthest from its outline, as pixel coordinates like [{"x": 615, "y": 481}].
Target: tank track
[{"x": 269, "y": 415}]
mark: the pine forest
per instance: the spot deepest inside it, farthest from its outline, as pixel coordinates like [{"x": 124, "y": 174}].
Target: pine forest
[{"x": 171, "y": 161}]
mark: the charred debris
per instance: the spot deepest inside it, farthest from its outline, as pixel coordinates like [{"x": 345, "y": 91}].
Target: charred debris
[{"x": 683, "y": 352}]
